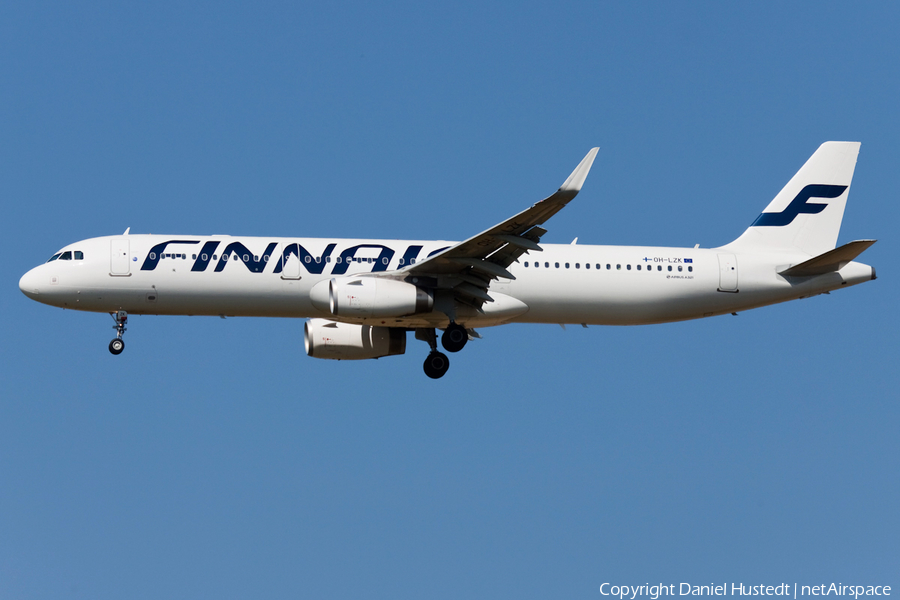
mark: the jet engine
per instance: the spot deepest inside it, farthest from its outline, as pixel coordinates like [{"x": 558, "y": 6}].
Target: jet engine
[
  {"x": 370, "y": 297},
  {"x": 347, "y": 341}
]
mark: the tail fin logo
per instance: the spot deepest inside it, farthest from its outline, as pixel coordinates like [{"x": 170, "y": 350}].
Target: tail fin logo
[{"x": 800, "y": 205}]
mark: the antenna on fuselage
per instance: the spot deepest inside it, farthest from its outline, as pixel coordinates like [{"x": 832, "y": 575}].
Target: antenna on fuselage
[{"x": 127, "y": 229}]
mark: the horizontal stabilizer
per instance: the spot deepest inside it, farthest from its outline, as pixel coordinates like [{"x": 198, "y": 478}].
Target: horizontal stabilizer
[{"x": 833, "y": 260}]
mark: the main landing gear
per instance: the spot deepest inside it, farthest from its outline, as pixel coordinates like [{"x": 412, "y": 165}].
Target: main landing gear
[
  {"x": 118, "y": 344},
  {"x": 453, "y": 339},
  {"x": 437, "y": 363}
]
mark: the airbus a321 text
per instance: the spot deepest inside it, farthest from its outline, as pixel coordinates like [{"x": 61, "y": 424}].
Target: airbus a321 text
[{"x": 362, "y": 296}]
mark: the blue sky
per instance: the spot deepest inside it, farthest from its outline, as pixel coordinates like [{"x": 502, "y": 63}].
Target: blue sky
[{"x": 213, "y": 459}]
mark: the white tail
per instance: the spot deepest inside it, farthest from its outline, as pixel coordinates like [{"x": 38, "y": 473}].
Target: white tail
[{"x": 806, "y": 214}]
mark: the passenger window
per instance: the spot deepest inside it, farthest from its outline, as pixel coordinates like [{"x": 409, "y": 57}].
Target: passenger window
[
  {"x": 546, "y": 265},
  {"x": 79, "y": 255},
  {"x": 670, "y": 267},
  {"x": 639, "y": 267},
  {"x": 55, "y": 256},
  {"x": 66, "y": 255},
  {"x": 691, "y": 269},
  {"x": 679, "y": 268},
  {"x": 659, "y": 267},
  {"x": 567, "y": 265},
  {"x": 608, "y": 266},
  {"x": 557, "y": 265},
  {"x": 578, "y": 266},
  {"x": 628, "y": 267},
  {"x": 586, "y": 265},
  {"x": 384, "y": 260},
  {"x": 618, "y": 267}
]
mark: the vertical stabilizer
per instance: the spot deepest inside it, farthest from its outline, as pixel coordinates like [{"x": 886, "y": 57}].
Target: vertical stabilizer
[{"x": 806, "y": 214}]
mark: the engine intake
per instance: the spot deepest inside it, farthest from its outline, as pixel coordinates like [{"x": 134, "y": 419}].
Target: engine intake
[{"x": 347, "y": 341}]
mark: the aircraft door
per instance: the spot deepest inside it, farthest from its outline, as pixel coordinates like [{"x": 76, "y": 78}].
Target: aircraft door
[
  {"x": 728, "y": 273},
  {"x": 291, "y": 268},
  {"x": 119, "y": 264}
]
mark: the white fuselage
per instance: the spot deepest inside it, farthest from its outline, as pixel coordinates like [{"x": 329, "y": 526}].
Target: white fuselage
[{"x": 249, "y": 276}]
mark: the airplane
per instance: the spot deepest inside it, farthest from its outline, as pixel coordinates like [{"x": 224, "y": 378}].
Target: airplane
[{"x": 362, "y": 296}]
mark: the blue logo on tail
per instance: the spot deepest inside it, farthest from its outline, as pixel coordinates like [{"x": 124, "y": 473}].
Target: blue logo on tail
[{"x": 799, "y": 205}]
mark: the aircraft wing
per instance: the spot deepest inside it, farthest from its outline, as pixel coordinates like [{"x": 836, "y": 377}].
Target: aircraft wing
[{"x": 469, "y": 267}]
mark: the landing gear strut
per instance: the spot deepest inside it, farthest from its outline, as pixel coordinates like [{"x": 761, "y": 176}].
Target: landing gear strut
[
  {"x": 118, "y": 344},
  {"x": 437, "y": 363},
  {"x": 454, "y": 338}
]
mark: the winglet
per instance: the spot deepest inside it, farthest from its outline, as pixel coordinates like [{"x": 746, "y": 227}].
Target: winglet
[{"x": 576, "y": 179}]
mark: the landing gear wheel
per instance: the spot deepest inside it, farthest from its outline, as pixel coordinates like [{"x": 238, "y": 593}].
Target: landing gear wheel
[
  {"x": 436, "y": 365},
  {"x": 118, "y": 344},
  {"x": 454, "y": 338}
]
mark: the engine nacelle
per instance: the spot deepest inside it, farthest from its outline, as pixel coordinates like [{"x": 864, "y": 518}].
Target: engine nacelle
[
  {"x": 346, "y": 341},
  {"x": 370, "y": 297}
]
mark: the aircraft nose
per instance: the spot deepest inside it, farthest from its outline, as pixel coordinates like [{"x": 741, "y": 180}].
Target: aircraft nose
[{"x": 30, "y": 284}]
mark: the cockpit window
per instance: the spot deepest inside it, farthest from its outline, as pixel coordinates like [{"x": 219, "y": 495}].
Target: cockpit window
[
  {"x": 79, "y": 255},
  {"x": 54, "y": 257},
  {"x": 67, "y": 255}
]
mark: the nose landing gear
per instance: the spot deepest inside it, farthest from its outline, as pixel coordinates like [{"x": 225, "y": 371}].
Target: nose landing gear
[{"x": 118, "y": 344}]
